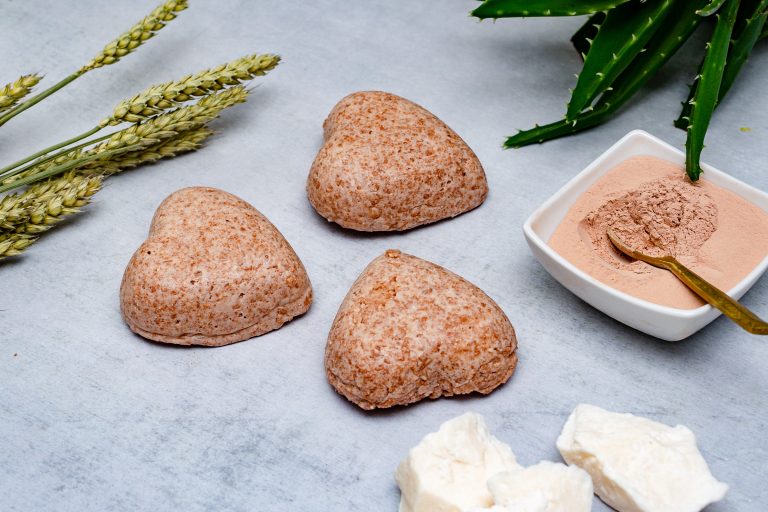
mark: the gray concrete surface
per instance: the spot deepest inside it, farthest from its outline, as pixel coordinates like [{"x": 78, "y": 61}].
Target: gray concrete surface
[{"x": 95, "y": 418}]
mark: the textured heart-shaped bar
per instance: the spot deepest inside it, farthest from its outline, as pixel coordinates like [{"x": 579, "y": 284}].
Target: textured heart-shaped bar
[
  {"x": 409, "y": 329},
  {"x": 212, "y": 271},
  {"x": 388, "y": 164}
]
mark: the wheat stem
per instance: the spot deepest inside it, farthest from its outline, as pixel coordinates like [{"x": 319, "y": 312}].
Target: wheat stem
[
  {"x": 45, "y": 151},
  {"x": 58, "y": 169},
  {"x": 158, "y": 98},
  {"x": 72, "y": 151}
]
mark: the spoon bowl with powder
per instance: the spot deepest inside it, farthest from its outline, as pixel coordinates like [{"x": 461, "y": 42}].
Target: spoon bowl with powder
[{"x": 742, "y": 316}]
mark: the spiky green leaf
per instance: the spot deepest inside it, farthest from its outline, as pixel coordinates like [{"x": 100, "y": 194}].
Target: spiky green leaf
[
  {"x": 621, "y": 37},
  {"x": 516, "y": 8},
  {"x": 708, "y": 87},
  {"x": 676, "y": 29},
  {"x": 583, "y": 37}
]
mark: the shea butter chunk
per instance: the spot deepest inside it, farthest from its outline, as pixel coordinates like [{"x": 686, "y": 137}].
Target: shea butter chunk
[
  {"x": 639, "y": 465},
  {"x": 544, "y": 487},
  {"x": 449, "y": 470}
]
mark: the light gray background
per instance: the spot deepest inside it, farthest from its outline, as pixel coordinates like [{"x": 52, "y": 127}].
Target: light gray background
[{"x": 95, "y": 418}]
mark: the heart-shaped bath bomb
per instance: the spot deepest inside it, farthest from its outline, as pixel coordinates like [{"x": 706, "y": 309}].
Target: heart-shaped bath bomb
[
  {"x": 212, "y": 271},
  {"x": 388, "y": 164},
  {"x": 409, "y": 329}
]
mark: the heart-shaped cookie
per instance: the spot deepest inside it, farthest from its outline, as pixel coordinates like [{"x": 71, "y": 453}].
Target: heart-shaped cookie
[
  {"x": 212, "y": 271},
  {"x": 409, "y": 329},
  {"x": 388, "y": 164}
]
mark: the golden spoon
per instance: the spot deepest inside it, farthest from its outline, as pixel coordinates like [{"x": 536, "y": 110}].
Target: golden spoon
[{"x": 746, "y": 319}]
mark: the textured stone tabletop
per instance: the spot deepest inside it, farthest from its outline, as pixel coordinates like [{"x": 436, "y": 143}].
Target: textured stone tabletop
[{"x": 93, "y": 417}]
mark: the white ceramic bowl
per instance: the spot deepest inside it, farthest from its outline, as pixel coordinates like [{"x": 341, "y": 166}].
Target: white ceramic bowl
[{"x": 664, "y": 322}]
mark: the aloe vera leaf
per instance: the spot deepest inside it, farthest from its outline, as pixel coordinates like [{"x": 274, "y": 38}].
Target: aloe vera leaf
[
  {"x": 678, "y": 26},
  {"x": 750, "y": 22},
  {"x": 708, "y": 87},
  {"x": 621, "y": 37},
  {"x": 583, "y": 37},
  {"x": 711, "y": 8},
  {"x": 518, "y": 8}
]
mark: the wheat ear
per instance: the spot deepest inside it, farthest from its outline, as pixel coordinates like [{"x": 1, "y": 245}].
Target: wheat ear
[
  {"x": 181, "y": 143},
  {"x": 170, "y": 94},
  {"x": 136, "y": 35},
  {"x": 170, "y": 124},
  {"x": 14, "y": 244},
  {"x": 41, "y": 207},
  {"x": 11, "y": 93}
]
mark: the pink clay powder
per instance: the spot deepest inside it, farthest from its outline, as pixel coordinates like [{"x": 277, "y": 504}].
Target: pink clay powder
[{"x": 652, "y": 205}]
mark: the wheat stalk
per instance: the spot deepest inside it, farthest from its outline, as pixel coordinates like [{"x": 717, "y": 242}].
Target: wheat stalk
[
  {"x": 139, "y": 136},
  {"x": 44, "y": 165},
  {"x": 183, "y": 142},
  {"x": 11, "y": 93},
  {"x": 170, "y": 94},
  {"x": 155, "y": 100},
  {"x": 111, "y": 53},
  {"x": 136, "y": 35}
]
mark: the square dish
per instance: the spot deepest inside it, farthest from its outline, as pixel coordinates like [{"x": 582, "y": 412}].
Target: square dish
[{"x": 667, "y": 323}]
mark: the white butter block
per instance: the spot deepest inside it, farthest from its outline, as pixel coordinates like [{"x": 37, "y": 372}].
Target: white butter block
[
  {"x": 449, "y": 469},
  {"x": 639, "y": 465}
]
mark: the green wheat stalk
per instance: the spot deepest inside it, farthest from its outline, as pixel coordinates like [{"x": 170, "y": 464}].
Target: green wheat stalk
[
  {"x": 157, "y": 99},
  {"x": 141, "y": 136}
]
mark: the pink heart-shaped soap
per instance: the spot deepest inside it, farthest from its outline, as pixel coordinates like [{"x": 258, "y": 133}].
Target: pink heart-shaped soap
[
  {"x": 409, "y": 329},
  {"x": 388, "y": 164},
  {"x": 212, "y": 271}
]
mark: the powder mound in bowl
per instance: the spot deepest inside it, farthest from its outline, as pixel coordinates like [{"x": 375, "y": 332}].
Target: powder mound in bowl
[{"x": 665, "y": 216}]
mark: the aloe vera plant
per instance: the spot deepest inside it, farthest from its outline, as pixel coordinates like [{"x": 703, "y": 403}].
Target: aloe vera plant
[
  {"x": 624, "y": 43},
  {"x": 611, "y": 51}
]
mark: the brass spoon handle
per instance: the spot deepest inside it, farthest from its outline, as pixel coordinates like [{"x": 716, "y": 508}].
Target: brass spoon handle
[
  {"x": 717, "y": 298},
  {"x": 742, "y": 316}
]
